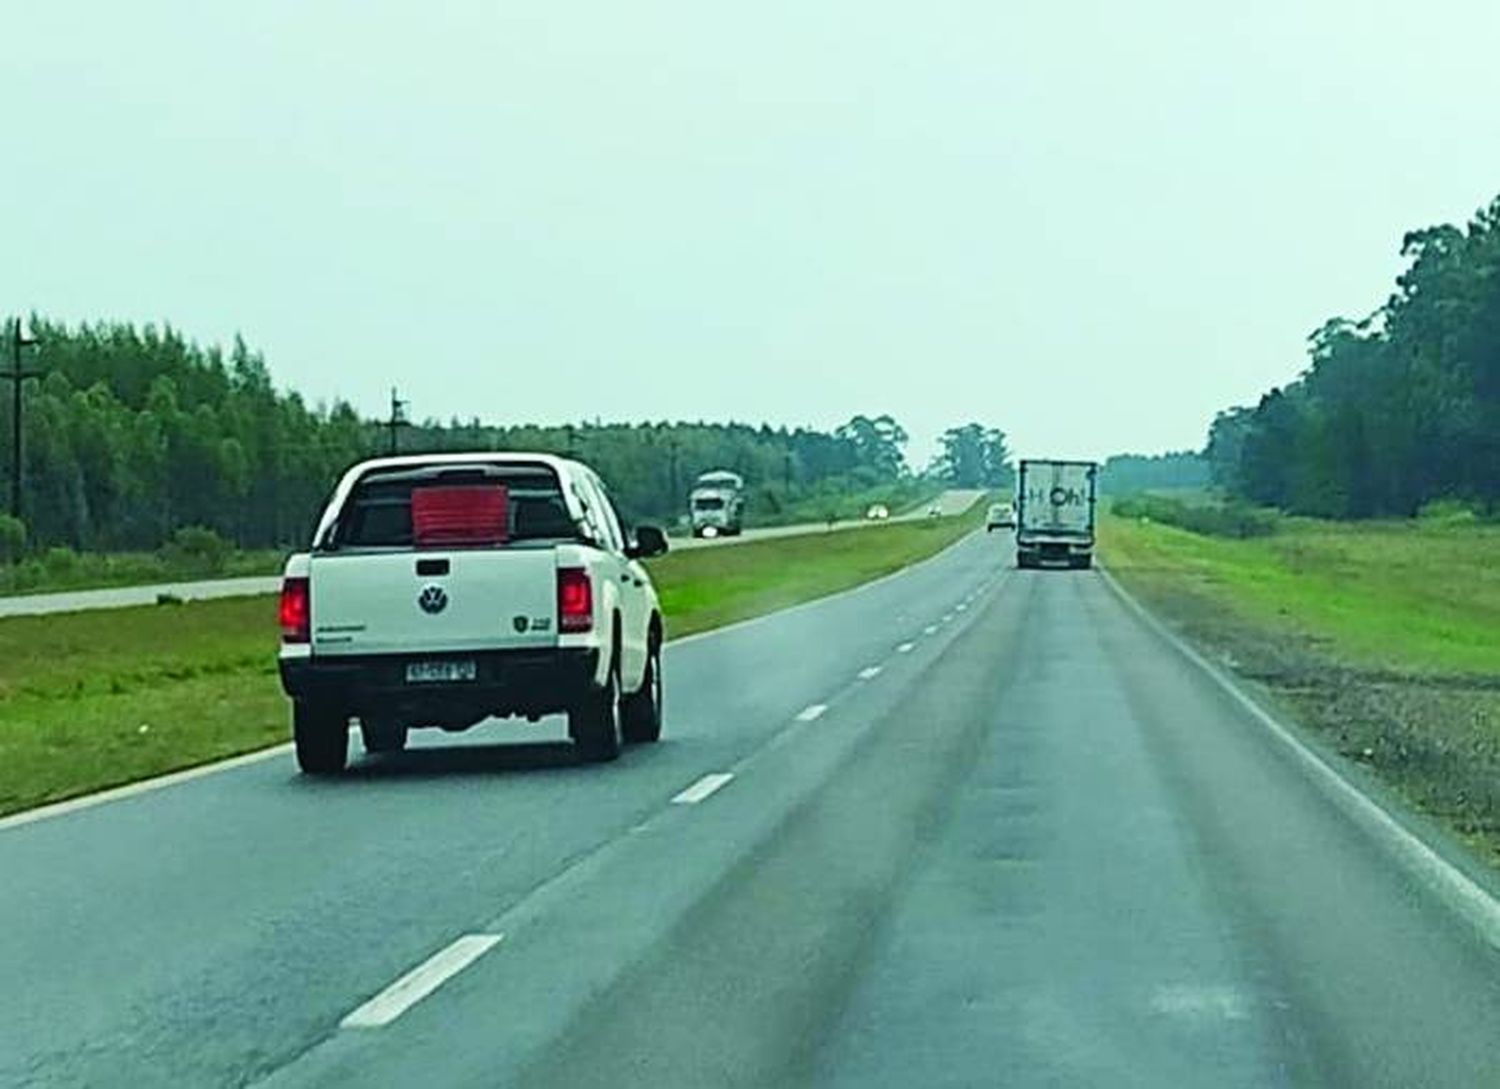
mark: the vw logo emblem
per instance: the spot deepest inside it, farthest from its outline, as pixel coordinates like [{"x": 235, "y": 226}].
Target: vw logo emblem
[{"x": 432, "y": 600}]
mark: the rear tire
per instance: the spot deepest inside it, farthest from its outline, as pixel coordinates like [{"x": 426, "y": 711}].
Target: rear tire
[
  {"x": 321, "y": 738},
  {"x": 642, "y": 711},
  {"x": 1083, "y": 563},
  {"x": 594, "y": 724},
  {"x": 383, "y": 736}
]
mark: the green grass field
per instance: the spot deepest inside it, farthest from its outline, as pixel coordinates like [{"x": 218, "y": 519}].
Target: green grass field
[
  {"x": 1404, "y": 595},
  {"x": 1383, "y": 638},
  {"x": 96, "y": 699}
]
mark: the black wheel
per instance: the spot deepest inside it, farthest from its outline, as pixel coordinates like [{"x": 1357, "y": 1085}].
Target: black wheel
[
  {"x": 594, "y": 724},
  {"x": 321, "y": 737},
  {"x": 1083, "y": 563},
  {"x": 383, "y": 735},
  {"x": 642, "y": 711}
]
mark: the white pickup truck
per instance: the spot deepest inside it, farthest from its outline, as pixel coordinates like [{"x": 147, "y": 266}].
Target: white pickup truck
[{"x": 441, "y": 590}]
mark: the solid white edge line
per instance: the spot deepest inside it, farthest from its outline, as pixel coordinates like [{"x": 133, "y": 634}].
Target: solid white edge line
[
  {"x": 869, "y": 673},
  {"x": 1452, "y": 885},
  {"x": 144, "y": 786},
  {"x": 812, "y": 712},
  {"x": 905, "y": 648},
  {"x": 421, "y": 981},
  {"x": 703, "y": 788}
]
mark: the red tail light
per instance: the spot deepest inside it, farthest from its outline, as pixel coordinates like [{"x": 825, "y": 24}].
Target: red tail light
[
  {"x": 575, "y": 600},
  {"x": 296, "y": 611}
]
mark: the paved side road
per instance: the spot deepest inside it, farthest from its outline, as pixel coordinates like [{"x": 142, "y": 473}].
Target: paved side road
[
  {"x": 950, "y": 503},
  {"x": 122, "y": 597}
]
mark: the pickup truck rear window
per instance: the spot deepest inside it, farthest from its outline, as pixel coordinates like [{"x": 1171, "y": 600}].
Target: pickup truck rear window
[{"x": 379, "y": 511}]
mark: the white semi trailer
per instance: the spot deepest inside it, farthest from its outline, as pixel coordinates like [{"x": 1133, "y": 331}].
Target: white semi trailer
[{"x": 1055, "y": 503}]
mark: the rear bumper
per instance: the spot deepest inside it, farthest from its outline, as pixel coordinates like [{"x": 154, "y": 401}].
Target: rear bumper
[
  {"x": 1059, "y": 552},
  {"x": 518, "y": 682},
  {"x": 725, "y": 528}
]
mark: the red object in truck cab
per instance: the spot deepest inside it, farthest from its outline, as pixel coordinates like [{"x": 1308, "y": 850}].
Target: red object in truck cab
[{"x": 460, "y": 514}]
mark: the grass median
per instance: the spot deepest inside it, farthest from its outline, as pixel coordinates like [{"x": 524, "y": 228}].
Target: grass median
[
  {"x": 1383, "y": 638},
  {"x": 97, "y": 699}
]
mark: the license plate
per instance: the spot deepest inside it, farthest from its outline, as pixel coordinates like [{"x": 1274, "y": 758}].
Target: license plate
[{"x": 440, "y": 672}]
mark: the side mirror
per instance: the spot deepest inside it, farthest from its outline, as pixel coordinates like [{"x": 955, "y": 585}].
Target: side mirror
[{"x": 649, "y": 541}]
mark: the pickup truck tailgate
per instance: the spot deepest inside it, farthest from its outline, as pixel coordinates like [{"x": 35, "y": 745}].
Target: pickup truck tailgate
[{"x": 433, "y": 602}]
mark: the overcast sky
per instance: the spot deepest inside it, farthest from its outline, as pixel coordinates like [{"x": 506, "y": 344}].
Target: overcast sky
[{"x": 1090, "y": 223}]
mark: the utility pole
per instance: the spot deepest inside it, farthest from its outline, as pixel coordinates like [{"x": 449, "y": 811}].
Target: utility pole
[
  {"x": 20, "y": 338},
  {"x": 397, "y": 421},
  {"x": 672, "y": 444}
]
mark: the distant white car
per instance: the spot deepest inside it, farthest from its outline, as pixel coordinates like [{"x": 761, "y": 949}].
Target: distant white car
[
  {"x": 878, "y": 512},
  {"x": 1001, "y": 516}
]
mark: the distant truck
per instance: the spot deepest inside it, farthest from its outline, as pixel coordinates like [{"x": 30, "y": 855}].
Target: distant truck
[
  {"x": 716, "y": 505},
  {"x": 1055, "y": 513}
]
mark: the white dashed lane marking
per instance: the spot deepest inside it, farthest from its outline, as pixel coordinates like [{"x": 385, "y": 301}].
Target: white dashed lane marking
[
  {"x": 905, "y": 648},
  {"x": 808, "y": 714},
  {"x": 869, "y": 673},
  {"x": 703, "y": 788},
  {"x": 421, "y": 981},
  {"x": 930, "y": 629}
]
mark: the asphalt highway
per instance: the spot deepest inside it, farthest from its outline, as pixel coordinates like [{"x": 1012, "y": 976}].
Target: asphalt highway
[{"x": 966, "y": 826}]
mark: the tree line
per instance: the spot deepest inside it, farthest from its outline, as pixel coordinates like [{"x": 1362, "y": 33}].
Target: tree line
[
  {"x": 131, "y": 434},
  {"x": 1131, "y": 474},
  {"x": 1395, "y": 410}
]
